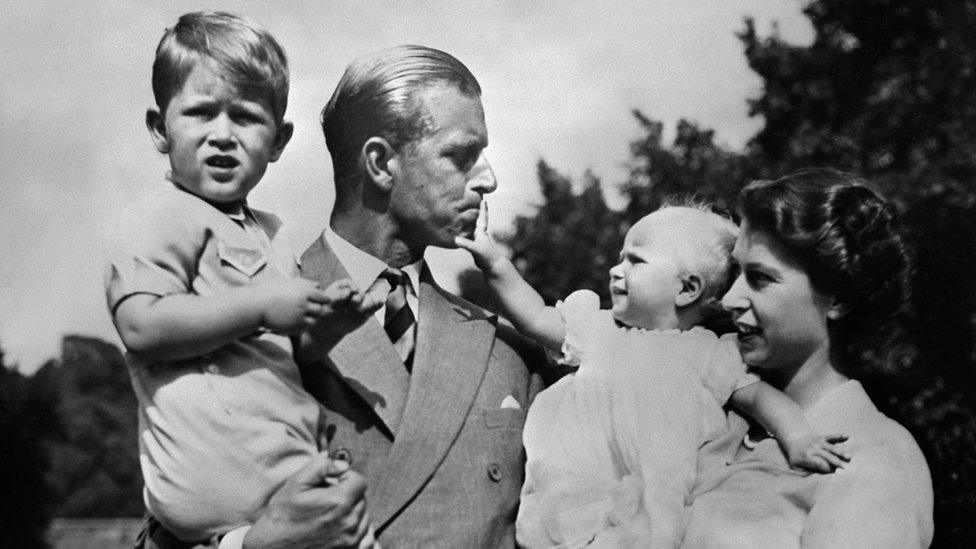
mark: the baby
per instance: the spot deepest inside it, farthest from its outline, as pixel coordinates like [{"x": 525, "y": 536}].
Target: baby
[
  {"x": 204, "y": 295},
  {"x": 611, "y": 449}
]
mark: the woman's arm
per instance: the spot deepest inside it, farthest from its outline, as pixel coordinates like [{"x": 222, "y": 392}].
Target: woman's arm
[{"x": 784, "y": 419}]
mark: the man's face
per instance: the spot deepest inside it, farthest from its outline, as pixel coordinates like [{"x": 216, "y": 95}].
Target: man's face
[{"x": 440, "y": 178}]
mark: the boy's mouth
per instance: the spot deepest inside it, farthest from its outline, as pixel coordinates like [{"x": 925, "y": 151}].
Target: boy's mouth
[{"x": 222, "y": 161}]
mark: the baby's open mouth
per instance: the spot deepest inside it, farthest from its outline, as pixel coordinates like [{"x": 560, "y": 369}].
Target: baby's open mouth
[{"x": 222, "y": 161}]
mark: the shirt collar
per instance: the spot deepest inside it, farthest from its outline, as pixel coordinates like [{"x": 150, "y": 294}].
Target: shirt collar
[
  {"x": 364, "y": 268},
  {"x": 235, "y": 210}
]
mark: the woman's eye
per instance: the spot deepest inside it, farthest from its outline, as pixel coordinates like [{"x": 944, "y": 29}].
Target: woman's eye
[{"x": 757, "y": 278}]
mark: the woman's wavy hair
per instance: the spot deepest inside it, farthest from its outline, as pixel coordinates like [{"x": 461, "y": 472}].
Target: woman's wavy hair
[{"x": 847, "y": 239}]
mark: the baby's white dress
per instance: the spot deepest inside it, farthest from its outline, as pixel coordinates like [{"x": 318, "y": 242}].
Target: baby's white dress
[{"x": 611, "y": 449}]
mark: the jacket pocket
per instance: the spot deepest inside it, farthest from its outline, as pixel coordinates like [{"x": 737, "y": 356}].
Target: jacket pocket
[
  {"x": 504, "y": 418},
  {"x": 248, "y": 261}
]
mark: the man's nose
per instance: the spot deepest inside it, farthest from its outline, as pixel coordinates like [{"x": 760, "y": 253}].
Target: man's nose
[
  {"x": 734, "y": 299},
  {"x": 482, "y": 176}
]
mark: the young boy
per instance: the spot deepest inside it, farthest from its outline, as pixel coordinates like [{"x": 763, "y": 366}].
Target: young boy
[{"x": 204, "y": 295}]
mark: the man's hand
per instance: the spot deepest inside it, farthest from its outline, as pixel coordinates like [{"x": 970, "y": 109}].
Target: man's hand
[
  {"x": 321, "y": 506},
  {"x": 482, "y": 248},
  {"x": 290, "y": 306}
]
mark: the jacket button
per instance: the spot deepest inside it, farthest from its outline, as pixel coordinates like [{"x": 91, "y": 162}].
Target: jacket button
[
  {"x": 342, "y": 454},
  {"x": 494, "y": 472}
]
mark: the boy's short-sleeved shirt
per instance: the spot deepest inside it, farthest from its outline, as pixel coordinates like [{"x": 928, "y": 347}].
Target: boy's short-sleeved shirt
[{"x": 217, "y": 433}]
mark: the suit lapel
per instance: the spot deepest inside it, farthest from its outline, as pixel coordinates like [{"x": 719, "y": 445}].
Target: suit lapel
[
  {"x": 364, "y": 358},
  {"x": 454, "y": 340}
]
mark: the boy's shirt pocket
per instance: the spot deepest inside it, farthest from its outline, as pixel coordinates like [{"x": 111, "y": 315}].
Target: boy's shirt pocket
[{"x": 247, "y": 261}]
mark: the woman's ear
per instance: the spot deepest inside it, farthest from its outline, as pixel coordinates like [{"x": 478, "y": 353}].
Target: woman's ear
[
  {"x": 838, "y": 310},
  {"x": 692, "y": 287},
  {"x": 380, "y": 161},
  {"x": 156, "y": 123}
]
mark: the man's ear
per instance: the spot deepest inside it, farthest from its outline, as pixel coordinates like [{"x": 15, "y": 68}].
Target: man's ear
[
  {"x": 380, "y": 162},
  {"x": 282, "y": 137},
  {"x": 692, "y": 287},
  {"x": 156, "y": 123},
  {"x": 838, "y": 310}
]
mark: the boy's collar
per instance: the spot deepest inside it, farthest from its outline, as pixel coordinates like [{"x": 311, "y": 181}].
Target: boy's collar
[{"x": 234, "y": 210}]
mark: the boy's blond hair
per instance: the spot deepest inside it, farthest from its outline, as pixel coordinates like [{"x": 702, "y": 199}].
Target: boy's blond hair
[{"x": 245, "y": 54}]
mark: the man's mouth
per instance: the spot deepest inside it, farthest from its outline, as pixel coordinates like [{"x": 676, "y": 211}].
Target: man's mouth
[
  {"x": 614, "y": 290},
  {"x": 222, "y": 161}
]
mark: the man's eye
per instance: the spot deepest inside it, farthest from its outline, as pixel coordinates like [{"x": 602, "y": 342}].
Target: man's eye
[{"x": 464, "y": 160}]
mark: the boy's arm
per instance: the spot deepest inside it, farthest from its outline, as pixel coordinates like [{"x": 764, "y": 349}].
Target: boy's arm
[
  {"x": 520, "y": 303},
  {"x": 784, "y": 419},
  {"x": 178, "y": 326}
]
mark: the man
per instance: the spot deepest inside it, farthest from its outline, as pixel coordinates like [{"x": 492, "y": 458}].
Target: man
[
  {"x": 426, "y": 401},
  {"x": 432, "y": 413}
]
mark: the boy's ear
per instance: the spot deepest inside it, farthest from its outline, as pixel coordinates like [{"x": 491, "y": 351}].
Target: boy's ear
[
  {"x": 838, "y": 310},
  {"x": 692, "y": 287},
  {"x": 156, "y": 123},
  {"x": 380, "y": 162},
  {"x": 285, "y": 130}
]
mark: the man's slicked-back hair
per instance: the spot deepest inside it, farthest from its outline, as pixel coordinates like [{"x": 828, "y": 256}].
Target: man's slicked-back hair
[
  {"x": 244, "y": 54},
  {"x": 377, "y": 97}
]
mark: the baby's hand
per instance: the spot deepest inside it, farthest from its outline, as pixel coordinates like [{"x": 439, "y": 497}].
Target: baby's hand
[
  {"x": 482, "y": 248},
  {"x": 290, "y": 306},
  {"x": 813, "y": 452}
]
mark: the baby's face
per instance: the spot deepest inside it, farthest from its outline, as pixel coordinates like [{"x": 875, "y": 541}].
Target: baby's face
[
  {"x": 643, "y": 286},
  {"x": 219, "y": 141}
]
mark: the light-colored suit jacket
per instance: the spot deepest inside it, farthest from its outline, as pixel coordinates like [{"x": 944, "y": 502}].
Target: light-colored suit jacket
[{"x": 442, "y": 457}]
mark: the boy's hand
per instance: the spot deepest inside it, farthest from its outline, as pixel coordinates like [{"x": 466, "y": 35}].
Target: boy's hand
[
  {"x": 290, "y": 306},
  {"x": 346, "y": 305},
  {"x": 482, "y": 248},
  {"x": 816, "y": 453}
]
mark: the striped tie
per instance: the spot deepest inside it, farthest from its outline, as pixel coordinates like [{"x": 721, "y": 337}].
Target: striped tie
[{"x": 399, "y": 322}]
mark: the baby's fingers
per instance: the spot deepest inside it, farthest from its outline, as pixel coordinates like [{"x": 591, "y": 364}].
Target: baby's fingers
[{"x": 481, "y": 226}]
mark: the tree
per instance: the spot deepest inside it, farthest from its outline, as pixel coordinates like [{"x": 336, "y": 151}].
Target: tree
[
  {"x": 693, "y": 166},
  {"x": 95, "y": 467},
  {"x": 572, "y": 240},
  {"x": 24, "y": 512}
]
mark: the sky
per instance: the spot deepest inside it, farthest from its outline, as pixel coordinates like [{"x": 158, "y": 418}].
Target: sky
[{"x": 560, "y": 79}]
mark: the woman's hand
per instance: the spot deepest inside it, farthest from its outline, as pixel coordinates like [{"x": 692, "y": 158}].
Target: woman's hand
[{"x": 816, "y": 453}]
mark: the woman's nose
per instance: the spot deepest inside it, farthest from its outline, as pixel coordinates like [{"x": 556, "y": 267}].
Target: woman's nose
[
  {"x": 617, "y": 271},
  {"x": 734, "y": 299}
]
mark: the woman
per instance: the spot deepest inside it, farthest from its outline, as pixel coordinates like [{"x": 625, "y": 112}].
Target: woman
[{"x": 822, "y": 272}]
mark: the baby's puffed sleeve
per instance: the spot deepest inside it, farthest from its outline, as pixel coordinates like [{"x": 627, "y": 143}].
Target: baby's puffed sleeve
[
  {"x": 146, "y": 254},
  {"x": 723, "y": 371},
  {"x": 580, "y": 311}
]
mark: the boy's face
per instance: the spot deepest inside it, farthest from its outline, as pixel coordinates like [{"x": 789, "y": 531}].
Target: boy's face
[
  {"x": 644, "y": 285},
  {"x": 219, "y": 141}
]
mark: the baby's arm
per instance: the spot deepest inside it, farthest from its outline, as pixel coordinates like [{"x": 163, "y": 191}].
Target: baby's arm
[
  {"x": 784, "y": 419},
  {"x": 178, "y": 326},
  {"x": 519, "y": 302}
]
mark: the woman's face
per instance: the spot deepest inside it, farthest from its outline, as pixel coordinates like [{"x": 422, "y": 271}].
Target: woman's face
[{"x": 780, "y": 318}]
